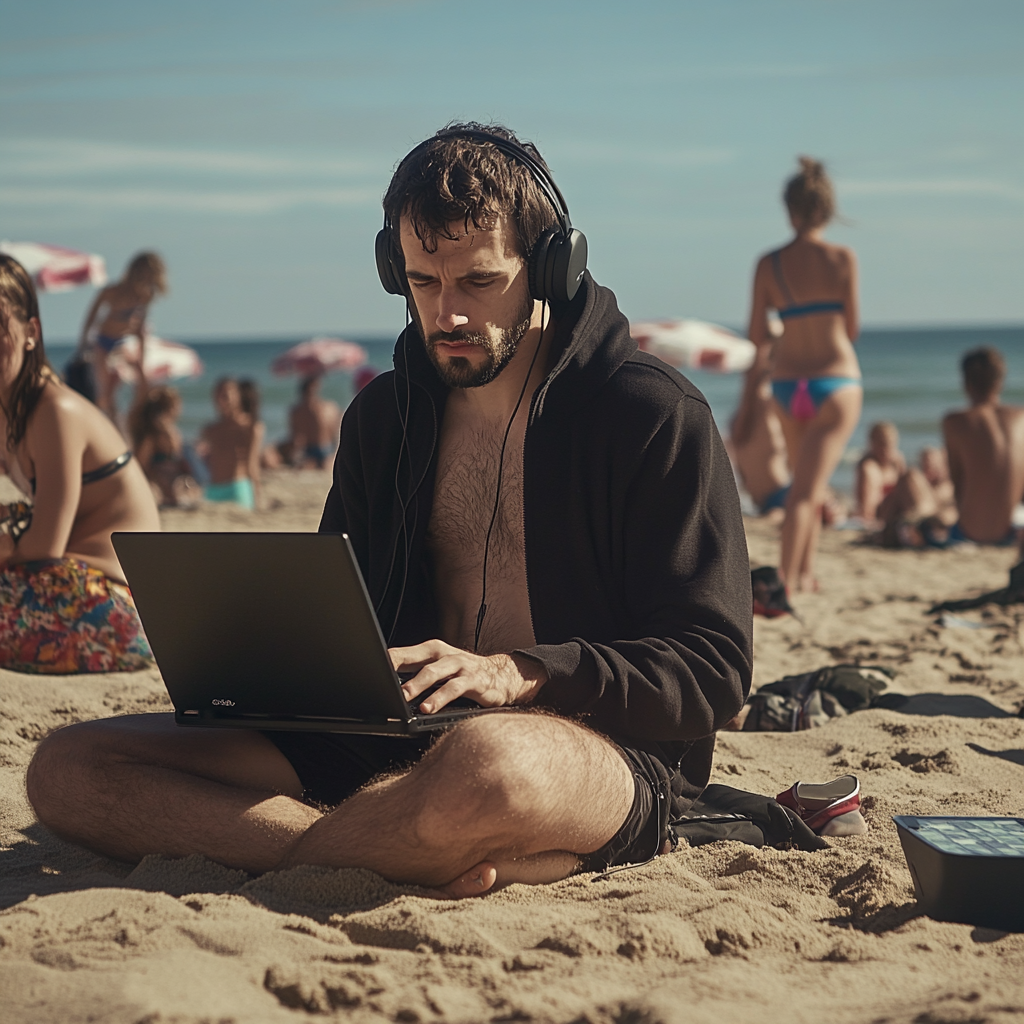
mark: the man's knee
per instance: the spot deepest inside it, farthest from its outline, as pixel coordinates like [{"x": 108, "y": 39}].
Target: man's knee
[
  {"x": 60, "y": 767},
  {"x": 507, "y": 763}
]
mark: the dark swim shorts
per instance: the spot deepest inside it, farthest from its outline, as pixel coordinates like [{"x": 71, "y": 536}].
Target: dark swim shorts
[{"x": 333, "y": 766}]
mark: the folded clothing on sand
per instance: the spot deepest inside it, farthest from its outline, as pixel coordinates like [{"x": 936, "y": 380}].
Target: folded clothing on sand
[
  {"x": 814, "y": 698},
  {"x": 62, "y": 616}
]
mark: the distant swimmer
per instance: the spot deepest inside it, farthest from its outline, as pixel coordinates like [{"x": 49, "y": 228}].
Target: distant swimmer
[
  {"x": 118, "y": 311},
  {"x": 64, "y": 605},
  {"x": 815, "y": 375},
  {"x": 879, "y": 470},
  {"x": 231, "y": 447},
  {"x": 986, "y": 453},
  {"x": 757, "y": 445}
]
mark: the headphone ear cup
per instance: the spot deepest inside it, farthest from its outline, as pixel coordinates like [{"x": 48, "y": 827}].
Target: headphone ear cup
[
  {"x": 386, "y": 270},
  {"x": 565, "y": 262},
  {"x": 537, "y": 265},
  {"x": 569, "y": 263}
]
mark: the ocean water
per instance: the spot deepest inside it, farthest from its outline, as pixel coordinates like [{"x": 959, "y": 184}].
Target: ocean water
[{"x": 911, "y": 377}]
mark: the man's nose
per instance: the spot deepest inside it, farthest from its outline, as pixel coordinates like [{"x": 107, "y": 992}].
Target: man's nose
[
  {"x": 448, "y": 315},
  {"x": 448, "y": 320}
]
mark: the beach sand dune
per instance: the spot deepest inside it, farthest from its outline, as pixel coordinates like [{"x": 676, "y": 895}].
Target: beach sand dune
[{"x": 724, "y": 933}]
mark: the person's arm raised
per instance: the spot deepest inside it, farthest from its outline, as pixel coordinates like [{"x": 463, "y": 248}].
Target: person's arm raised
[{"x": 55, "y": 442}]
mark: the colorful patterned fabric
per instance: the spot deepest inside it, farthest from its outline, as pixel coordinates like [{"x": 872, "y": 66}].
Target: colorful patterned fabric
[{"x": 63, "y": 616}]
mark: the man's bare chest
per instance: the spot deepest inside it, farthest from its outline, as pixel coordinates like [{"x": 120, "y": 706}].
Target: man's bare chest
[{"x": 467, "y": 497}]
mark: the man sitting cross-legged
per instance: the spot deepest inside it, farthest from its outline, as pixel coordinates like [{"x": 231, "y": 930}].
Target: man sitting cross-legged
[
  {"x": 986, "y": 453},
  {"x": 602, "y": 590}
]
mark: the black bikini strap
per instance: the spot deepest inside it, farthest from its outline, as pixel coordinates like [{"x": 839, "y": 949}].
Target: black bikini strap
[
  {"x": 777, "y": 269},
  {"x": 108, "y": 470}
]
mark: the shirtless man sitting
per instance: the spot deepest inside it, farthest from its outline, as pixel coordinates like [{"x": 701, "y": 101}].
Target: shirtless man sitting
[
  {"x": 314, "y": 423},
  {"x": 545, "y": 518},
  {"x": 986, "y": 453}
]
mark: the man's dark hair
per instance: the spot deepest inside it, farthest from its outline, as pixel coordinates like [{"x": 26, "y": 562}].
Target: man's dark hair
[
  {"x": 456, "y": 180},
  {"x": 984, "y": 370}
]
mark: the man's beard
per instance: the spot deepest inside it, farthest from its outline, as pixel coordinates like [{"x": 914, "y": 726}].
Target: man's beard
[{"x": 460, "y": 372}]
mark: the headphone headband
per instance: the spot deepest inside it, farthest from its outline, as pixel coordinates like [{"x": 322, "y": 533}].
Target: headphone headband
[{"x": 559, "y": 257}]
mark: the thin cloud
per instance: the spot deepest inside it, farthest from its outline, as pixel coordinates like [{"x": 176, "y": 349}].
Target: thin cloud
[
  {"x": 184, "y": 201},
  {"x": 70, "y": 158},
  {"x": 621, "y": 153},
  {"x": 935, "y": 187}
]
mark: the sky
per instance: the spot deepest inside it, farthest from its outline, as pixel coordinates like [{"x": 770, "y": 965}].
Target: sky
[{"x": 250, "y": 141}]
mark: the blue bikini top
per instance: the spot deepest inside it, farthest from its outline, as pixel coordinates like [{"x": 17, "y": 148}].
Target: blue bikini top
[{"x": 794, "y": 309}]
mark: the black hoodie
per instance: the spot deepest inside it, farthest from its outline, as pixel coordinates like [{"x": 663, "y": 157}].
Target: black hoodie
[{"x": 636, "y": 559}]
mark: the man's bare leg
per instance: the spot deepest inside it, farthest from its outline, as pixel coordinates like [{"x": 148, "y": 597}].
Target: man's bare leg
[
  {"x": 500, "y": 798},
  {"x": 127, "y": 787}
]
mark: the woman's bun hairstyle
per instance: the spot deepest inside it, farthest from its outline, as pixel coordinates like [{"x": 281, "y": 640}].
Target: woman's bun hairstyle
[{"x": 809, "y": 196}]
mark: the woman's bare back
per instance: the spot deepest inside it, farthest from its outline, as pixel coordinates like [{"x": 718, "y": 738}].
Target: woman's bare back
[
  {"x": 51, "y": 457},
  {"x": 810, "y": 270}
]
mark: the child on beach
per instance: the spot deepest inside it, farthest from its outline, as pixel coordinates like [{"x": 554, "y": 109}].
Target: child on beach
[
  {"x": 118, "y": 311},
  {"x": 231, "y": 448},
  {"x": 879, "y": 470},
  {"x": 158, "y": 445},
  {"x": 64, "y": 604},
  {"x": 816, "y": 379}
]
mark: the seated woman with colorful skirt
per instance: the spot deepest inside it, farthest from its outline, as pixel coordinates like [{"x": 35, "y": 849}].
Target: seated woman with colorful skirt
[{"x": 64, "y": 603}]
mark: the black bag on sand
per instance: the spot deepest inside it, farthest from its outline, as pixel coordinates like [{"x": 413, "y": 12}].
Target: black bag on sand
[
  {"x": 726, "y": 813},
  {"x": 80, "y": 376},
  {"x": 814, "y": 698}
]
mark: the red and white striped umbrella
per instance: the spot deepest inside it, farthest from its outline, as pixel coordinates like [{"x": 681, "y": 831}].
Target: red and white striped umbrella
[
  {"x": 163, "y": 360},
  {"x": 56, "y": 269},
  {"x": 320, "y": 355}
]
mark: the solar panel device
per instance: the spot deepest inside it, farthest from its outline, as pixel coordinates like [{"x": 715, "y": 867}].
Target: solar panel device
[{"x": 968, "y": 870}]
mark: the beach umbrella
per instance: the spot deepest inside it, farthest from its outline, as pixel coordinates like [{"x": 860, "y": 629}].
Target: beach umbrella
[
  {"x": 56, "y": 269},
  {"x": 694, "y": 345},
  {"x": 163, "y": 360},
  {"x": 320, "y": 355}
]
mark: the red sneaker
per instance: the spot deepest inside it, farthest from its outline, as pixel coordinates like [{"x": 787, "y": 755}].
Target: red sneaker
[{"x": 829, "y": 808}]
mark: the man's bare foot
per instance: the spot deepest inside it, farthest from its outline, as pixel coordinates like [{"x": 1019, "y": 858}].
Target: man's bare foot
[
  {"x": 474, "y": 882},
  {"x": 489, "y": 876}
]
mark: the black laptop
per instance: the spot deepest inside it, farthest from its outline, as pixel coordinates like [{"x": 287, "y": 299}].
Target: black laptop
[{"x": 269, "y": 631}]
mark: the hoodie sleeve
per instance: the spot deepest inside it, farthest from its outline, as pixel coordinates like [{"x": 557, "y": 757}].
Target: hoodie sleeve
[{"x": 686, "y": 589}]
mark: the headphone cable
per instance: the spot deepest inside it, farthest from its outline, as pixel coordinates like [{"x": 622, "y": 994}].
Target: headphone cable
[{"x": 482, "y": 611}]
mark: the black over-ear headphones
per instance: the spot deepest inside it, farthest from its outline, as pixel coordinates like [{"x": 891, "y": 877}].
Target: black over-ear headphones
[{"x": 558, "y": 259}]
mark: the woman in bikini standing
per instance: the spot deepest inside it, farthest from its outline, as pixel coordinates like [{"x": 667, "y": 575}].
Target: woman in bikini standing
[
  {"x": 64, "y": 605},
  {"x": 815, "y": 375},
  {"x": 118, "y": 311}
]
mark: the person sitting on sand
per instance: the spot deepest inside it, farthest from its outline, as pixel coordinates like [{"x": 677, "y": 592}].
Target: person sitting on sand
[
  {"x": 757, "y": 445},
  {"x": 118, "y": 311},
  {"x": 64, "y": 605},
  {"x": 159, "y": 447},
  {"x": 879, "y": 470},
  {"x": 565, "y": 541},
  {"x": 986, "y": 453},
  {"x": 920, "y": 509},
  {"x": 230, "y": 446},
  {"x": 314, "y": 423},
  {"x": 815, "y": 375}
]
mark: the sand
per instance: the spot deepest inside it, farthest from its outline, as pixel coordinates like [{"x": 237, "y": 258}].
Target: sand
[{"x": 725, "y": 933}]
